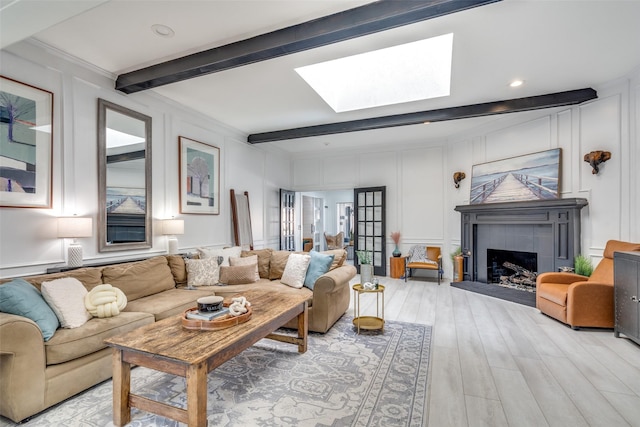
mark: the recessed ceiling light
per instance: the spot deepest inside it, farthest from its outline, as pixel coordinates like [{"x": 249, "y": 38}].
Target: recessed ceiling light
[
  {"x": 162, "y": 30},
  {"x": 516, "y": 83}
]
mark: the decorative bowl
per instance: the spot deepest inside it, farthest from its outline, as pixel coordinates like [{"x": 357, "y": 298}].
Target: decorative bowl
[{"x": 209, "y": 304}]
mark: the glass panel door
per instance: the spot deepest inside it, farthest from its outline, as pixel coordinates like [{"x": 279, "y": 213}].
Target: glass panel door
[
  {"x": 287, "y": 220},
  {"x": 370, "y": 226}
]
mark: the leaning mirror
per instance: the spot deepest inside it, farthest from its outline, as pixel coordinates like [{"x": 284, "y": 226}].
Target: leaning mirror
[{"x": 124, "y": 178}]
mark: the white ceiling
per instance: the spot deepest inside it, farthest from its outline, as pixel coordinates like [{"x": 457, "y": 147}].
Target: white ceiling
[{"x": 554, "y": 45}]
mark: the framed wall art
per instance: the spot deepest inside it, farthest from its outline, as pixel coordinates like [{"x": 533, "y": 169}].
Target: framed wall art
[
  {"x": 199, "y": 177},
  {"x": 533, "y": 176},
  {"x": 26, "y": 144}
]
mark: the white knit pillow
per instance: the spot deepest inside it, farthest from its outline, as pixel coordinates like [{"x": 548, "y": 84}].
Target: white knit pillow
[
  {"x": 202, "y": 272},
  {"x": 296, "y": 270},
  {"x": 65, "y": 296},
  {"x": 248, "y": 260}
]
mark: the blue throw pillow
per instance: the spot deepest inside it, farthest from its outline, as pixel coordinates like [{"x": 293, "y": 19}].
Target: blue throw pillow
[
  {"x": 22, "y": 298},
  {"x": 320, "y": 264}
]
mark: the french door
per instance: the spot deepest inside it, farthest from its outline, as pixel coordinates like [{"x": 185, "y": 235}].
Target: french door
[
  {"x": 287, "y": 220},
  {"x": 370, "y": 234}
]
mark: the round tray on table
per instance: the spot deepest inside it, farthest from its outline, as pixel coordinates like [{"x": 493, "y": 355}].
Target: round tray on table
[{"x": 221, "y": 322}]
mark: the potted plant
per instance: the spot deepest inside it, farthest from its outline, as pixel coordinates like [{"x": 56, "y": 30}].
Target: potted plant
[
  {"x": 395, "y": 236},
  {"x": 583, "y": 265},
  {"x": 365, "y": 259}
]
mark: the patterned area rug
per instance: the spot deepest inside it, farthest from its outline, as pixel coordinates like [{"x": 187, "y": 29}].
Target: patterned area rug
[{"x": 344, "y": 379}]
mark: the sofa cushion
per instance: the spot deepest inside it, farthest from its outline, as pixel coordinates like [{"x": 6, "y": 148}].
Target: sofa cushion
[
  {"x": 202, "y": 272},
  {"x": 141, "y": 278},
  {"x": 225, "y": 253},
  {"x": 23, "y": 299},
  {"x": 248, "y": 260},
  {"x": 65, "y": 296},
  {"x": 69, "y": 344},
  {"x": 169, "y": 303},
  {"x": 296, "y": 270},
  {"x": 264, "y": 260},
  {"x": 178, "y": 269},
  {"x": 318, "y": 265},
  {"x": 238, "y": 275},
  {"x": 90, "y": 277}
]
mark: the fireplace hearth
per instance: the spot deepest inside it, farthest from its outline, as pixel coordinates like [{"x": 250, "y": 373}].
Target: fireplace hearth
[{"x": 548, "y": 228}]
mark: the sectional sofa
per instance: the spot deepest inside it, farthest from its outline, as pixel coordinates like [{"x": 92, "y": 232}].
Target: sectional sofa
[{"x": 36, "y": 374}]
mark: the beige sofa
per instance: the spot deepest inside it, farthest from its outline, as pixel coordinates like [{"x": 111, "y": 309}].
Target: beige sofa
[{"x": 34, "y": 374}]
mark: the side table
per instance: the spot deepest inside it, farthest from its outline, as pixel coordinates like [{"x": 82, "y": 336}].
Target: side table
[
  {"x": 398, "y": 267},
  {"x": 368, "y": 322}
]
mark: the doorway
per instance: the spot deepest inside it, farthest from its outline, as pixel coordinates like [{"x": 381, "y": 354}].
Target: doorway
[{"x": 370, "y": 234}]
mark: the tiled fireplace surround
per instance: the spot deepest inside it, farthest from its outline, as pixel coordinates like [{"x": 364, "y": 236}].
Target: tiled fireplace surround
[{"x": 550, "y": 228}]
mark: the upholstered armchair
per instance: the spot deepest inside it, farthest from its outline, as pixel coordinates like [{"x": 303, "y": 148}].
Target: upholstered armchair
[
  {"x": 424, "y": 258},
  {"x": 581, "y": 301}
]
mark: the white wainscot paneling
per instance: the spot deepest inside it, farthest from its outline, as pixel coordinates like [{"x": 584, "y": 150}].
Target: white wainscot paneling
[
  {"x": 377, "y": 169},
  {"x": 524, "y": 138},
  {"x": 339, "y": 171},
  {"x": 565, "y": 142},
  {"x": 307, "y": 173},
  {"x": 600, "y": 130},
  {"x": 422, "y": 194}
]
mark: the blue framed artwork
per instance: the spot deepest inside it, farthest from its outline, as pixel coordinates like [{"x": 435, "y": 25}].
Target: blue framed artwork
[{"x": 26, "y": 116}]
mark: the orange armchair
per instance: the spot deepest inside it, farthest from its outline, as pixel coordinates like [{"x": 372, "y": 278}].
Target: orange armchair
[{"x": 581, "y": 301}]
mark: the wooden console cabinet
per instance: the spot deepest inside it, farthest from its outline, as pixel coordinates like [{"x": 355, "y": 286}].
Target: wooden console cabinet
[{"x": 626, "y": 266}]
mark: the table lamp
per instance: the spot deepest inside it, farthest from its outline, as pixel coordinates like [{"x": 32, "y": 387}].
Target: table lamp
[
  {"x": 74, "y": 228},
  {"x": 171, "y": 228}
]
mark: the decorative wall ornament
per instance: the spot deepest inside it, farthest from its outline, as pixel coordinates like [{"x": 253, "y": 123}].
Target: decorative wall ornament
[
  {"x": 26, "y": 140},
  {"x": 457, "y": 177},
  {"x": 595, "y": 158}
]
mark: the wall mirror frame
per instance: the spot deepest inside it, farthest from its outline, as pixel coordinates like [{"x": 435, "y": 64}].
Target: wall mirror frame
[{"x": 124, "y": 178}]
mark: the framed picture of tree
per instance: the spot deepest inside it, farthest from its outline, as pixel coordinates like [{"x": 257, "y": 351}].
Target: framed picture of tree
[
  {"x": 26, "y": 116},
  {"x": 199, "y": 177}
]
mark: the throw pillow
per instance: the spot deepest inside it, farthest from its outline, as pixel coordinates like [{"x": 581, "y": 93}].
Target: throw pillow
[
  {"x": 23, "y": 299},
  {"x": 296, "y": 270},
  {"x": 66, "y": 298},
  {"x": 318, "y": 265},
  {"x": 237, "y": 275},
  {"x": 225, "y": 253},
  {"x": 264, "y": 259},
  {"x": 105, "y": 301},
  {"x": 202, "y": 272},
  {"x": 340, "y": 255},
  {"x": 249, "y": 260},
  {"x": 278, "y": 263}
]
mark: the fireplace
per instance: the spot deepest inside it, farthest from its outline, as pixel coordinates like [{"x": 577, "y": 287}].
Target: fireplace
[
  {"x": 514, "y": 269},
  {"x": 550, "y": 229}
]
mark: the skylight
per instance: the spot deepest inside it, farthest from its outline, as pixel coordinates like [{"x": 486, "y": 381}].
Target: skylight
[{"x": 409, "y": 72}]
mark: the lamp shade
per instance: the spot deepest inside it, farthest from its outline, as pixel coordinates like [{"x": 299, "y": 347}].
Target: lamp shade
[
  {"x": 74, "y": 227},
  {"x": 173, "y": 227}
]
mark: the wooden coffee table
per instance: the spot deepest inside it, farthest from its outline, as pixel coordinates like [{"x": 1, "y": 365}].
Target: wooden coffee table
[{"x": 168, "y": 347}]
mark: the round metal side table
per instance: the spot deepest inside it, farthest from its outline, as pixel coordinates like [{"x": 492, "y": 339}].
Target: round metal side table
[{"x": 368, "y": 322}]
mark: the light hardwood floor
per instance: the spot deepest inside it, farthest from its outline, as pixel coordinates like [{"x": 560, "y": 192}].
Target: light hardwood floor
[{"x": 496, "y": 363}]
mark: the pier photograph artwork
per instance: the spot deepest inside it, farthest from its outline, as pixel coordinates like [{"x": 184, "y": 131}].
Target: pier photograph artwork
[{"x": 533, "y": 176}]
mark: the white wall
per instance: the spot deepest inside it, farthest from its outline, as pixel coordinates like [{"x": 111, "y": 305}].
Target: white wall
[
  {"x": 421, "y": 196},
  {"x": 28, "y": 243}
]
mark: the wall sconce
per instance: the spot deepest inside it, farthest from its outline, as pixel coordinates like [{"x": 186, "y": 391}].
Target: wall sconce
[
  {"x": 457, "y": 177},
  {"x": 171, "y": 228},
  {"x": 594, "y": 158},
  {"x": 74, "y": 228}
]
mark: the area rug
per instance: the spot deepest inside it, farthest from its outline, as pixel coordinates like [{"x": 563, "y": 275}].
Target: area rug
[
  {"x": 509, "y": 294},
  {"x": 344, "y": 379}
]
